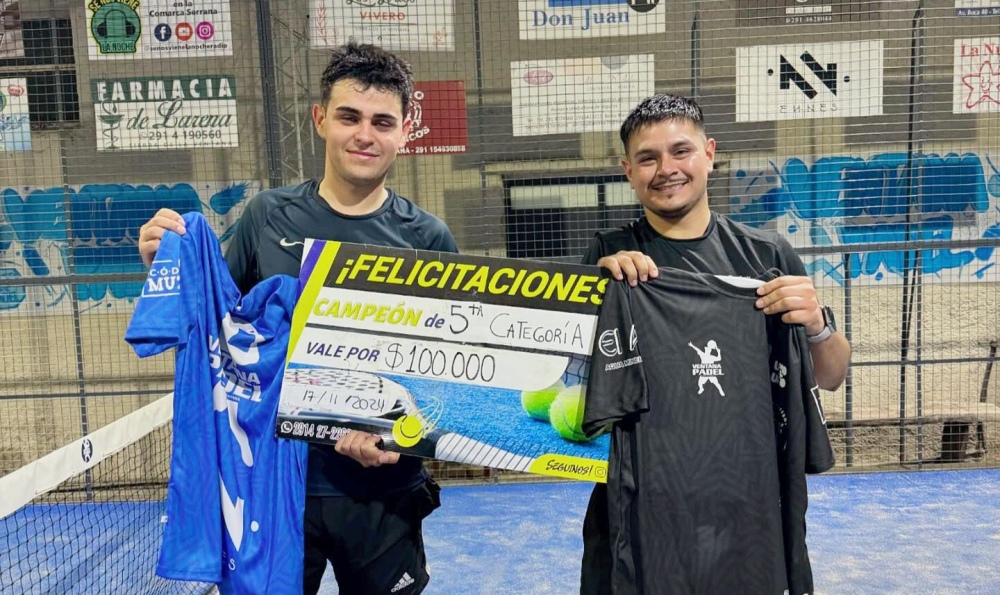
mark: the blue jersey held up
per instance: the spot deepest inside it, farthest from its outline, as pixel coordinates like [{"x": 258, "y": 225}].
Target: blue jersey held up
[{"x": 236, "y": 494}]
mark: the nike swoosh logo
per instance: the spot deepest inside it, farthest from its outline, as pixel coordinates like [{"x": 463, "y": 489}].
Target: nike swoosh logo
[{"x": 284, "y": 243}]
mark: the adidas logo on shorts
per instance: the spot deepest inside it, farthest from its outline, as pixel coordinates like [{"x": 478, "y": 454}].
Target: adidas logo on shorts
[{"x": 405, "y": 581}]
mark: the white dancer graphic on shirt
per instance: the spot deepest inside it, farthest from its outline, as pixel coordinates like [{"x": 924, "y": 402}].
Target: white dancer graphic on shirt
[{"x": 709, "y": 369}]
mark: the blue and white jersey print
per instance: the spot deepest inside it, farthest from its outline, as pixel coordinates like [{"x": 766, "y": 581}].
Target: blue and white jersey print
[{"x": 229, "y": 362}]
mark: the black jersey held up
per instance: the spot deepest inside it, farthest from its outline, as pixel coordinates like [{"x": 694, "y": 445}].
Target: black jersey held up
[{"x": 706, "y": 485}]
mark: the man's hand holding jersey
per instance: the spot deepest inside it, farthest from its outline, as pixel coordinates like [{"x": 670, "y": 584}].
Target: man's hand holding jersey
[
  {"x": 796, "y": 297},
  {"x": 360, "y": 446},
  {"x": 152, "y": 232},
  {"x": 633, "y": 266},
  {"x": 793, "y": 296}
]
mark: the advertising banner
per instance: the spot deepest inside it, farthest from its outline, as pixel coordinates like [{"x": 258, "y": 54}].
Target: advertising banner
[
  {"x": 137, "y": 29},
  {"x": 577, "y": 94},
  {"x": 580, "y": 19},
  {"x": 811, "y": 80},
  {"x": 438, "y": 119},
  {"x": 976, "y": 81},
  {"x": 152, "y": 113},
  {"x": 977, "y": 8},
  {"x": 15, "y": 124},
  {"x": 411, "y": 25}
]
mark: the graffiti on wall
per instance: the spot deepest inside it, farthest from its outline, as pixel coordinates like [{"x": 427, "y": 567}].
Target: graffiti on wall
[
  {"x": 93, "y": 229},
  {"x": 849, "y": 200}
]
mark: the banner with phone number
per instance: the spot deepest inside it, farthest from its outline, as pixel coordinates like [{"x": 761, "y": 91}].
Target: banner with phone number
[{"x": 460, "y": 358}]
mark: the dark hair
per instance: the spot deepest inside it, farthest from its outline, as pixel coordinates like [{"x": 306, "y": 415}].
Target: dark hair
[
  {"x": 371, "y": 66},
  {"x": 659, "y": 108}
]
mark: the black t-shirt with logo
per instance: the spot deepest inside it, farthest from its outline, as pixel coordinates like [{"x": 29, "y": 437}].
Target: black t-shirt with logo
[
  {"x": 268, "y": 241},
  {"x": 709, "y": 448}
]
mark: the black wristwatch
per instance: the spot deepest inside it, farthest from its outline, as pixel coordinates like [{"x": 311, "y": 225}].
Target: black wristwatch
[{"x": 828, "y": 330}]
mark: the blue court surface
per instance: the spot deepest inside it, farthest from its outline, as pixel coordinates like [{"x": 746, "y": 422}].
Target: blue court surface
[
  {"x": 913, "y": 533},
  {"x": 929, "y": 532}
]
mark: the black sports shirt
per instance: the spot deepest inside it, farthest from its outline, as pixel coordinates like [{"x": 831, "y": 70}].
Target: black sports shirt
[
  {"x": 680, "y": 366},
  {"x": 730, "y": 248}
]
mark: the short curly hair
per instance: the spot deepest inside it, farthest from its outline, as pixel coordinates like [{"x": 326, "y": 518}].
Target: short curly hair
[
  {"x": 371, "y": 66},
  {"x": 660, "y": 108}
]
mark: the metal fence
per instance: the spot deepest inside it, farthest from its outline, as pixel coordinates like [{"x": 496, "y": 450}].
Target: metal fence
[{"x": 867, "y": 133}]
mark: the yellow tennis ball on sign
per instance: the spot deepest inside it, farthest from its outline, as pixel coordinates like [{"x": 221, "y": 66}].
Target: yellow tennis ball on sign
[
  {"x": 408, "y": 430},
  {"x": 566, "y": 413},
  {"x": 536, "y": 403}
]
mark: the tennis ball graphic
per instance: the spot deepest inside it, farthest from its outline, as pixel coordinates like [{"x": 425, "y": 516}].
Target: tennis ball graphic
[
  {"x": 566, "y": 413},
  {"x": 408, "y": 430},
  {"x": 536, "y": 403}
]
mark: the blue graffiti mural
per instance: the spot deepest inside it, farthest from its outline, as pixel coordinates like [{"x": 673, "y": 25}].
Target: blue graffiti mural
[
  {"x": 844, "y": 200},
  {"x": 100, "y": 228}
]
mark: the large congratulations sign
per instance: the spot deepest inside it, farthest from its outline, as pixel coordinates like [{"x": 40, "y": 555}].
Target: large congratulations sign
[
  {"x": 460, "y": 358},
  {"x": 150, "y": 113}
]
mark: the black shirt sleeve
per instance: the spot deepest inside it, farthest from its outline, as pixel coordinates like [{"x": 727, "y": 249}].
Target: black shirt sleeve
[
  {"x": 819, "y": 454},
  {"x": 790, "y": 263},
  {"x": 241, "y": 253},
  {"x": 800, "y": 427},
  {"x": 819, "y": 451},
  {"x": 595, "y": 251},
  {"x": 617, "y": 382}
]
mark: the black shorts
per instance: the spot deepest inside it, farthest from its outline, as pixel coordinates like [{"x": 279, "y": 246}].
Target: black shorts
[
  {"x": 375, "y": 546},
  {"x": 595, "y": 576}
]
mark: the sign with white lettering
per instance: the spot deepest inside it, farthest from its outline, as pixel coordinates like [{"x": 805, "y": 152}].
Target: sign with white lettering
[
  {"x": 760, "y": 13},
  {"x": 412, "y": 25},
  {"x": 976, "y": 76},
  {"x": 152, "y": 113},
  {"x": 578, "y": 94},
  {"x": 15, "y": 124},
  {"x": 460, "y": 358},
  {"x": 977, "y": 8},
  {"x": 814, "y": 80},
  {"x": 437, "y": 119},
  {"x": 567, "y": 19},
  {"x": 133, "y": 29}
]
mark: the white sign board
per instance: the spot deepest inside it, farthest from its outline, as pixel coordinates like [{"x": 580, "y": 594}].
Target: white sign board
[
  {"x": 977, "y": 8},
  {"x": 976, "y": 76},
  {"x": 15, "y": 123},
  {"x": 578, "y": 94},
  {"x": 153, "y": 113},
  {"x": 411, "y": 25},
  {"x": 812, "y": 80},
  {"x": 580, "y": 19}
]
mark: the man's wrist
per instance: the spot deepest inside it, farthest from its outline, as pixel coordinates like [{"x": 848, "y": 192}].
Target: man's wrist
[
  {"x": 823, "y": 335},
  {"x": 829, "y": 327}
]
